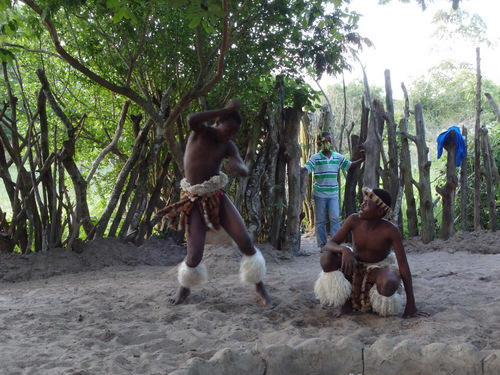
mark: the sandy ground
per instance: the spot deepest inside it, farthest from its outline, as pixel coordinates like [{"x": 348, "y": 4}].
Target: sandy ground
[{"x": 105, "y": 310}]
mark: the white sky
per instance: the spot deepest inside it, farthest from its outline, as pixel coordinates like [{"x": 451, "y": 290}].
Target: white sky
[{"x": 403, "y": 44}]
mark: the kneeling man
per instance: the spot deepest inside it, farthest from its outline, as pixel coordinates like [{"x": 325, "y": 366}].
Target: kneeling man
[{"x": 368, "y": 275}]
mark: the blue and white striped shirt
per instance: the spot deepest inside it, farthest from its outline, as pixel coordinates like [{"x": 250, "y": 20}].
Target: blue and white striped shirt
[{"x": 325, "y": 173}]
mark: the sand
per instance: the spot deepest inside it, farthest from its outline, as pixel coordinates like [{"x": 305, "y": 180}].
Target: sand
[{"x": 105, "y": 310}]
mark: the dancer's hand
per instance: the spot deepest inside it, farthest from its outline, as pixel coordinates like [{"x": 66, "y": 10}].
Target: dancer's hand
[
  {"x": 234, "y": 104},
  {"x": 416, "y": 313},
  {"x": 348, "y": 264}
]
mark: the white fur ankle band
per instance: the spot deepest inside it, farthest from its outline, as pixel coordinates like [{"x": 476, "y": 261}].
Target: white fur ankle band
[
  {"x": 253, "y": 268},
  {"x": 191, "y": 276},
  {"x": 386, "y": 306},
  {"x": 332, "y": 288}
]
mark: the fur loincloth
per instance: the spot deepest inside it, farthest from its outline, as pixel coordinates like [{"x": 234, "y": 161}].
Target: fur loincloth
[
  {"x": 205, "y": 195},
  {"x": 364, "y": 280},
  {"x": 334, "y": 289}
]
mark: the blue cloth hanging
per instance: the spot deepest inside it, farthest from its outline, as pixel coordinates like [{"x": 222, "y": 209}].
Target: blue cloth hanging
[{"x": 460, "y": 146}]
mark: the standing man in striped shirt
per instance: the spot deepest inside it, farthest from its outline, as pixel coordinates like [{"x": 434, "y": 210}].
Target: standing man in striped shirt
[{"x": 326, "y": 165}]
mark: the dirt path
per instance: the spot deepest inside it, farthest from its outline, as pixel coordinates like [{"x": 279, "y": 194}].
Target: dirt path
[{"x": 106, "y": 310}]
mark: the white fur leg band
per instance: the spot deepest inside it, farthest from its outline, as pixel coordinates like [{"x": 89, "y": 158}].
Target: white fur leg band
[
  {"x": 253, "y": 268},
  {"x": 191, "y": 276},
  {"x": 332, "y": 288},
  {"x": 386, "y": 306}
]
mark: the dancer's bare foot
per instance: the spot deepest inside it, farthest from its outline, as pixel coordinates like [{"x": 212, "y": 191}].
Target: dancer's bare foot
[
  {"x": 346, "y": 309},
  {"x": 261, "y": 293},
  {"x": 180, "y": 296}
]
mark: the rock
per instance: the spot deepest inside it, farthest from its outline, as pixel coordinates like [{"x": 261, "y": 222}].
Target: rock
[
  {"x": 314, "y": 356},
  {"x": 224, "y": 362},
  {"x": 387, "y": 357},
  {"x": 323, "y": 357}
]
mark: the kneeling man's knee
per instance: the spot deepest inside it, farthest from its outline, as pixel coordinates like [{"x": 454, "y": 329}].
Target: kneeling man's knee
[
  {"x": 329, "y": 261},
  {"x": 388, "y": 286}
]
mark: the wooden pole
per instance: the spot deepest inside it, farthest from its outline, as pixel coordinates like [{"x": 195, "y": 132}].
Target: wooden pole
[
  {"x": 405, "y": 168},
  {"x": 477, "y": 146},
  {"x": 447, "y": 192},
  {"x": 424, "y": 184},
  {"x": 392, "y": 167},
  {"x": 491, "y": 178},
  {"x": 463, "y": 186}
]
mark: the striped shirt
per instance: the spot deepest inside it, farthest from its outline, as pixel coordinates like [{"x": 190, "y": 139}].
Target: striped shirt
[{"x": 325, "y": 173}]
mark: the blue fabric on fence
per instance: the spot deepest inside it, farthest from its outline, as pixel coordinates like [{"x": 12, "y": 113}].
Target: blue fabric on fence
[{"x": 460, "y": 146}]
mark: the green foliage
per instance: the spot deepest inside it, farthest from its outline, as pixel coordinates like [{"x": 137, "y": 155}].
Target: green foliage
[
  {"x": 460, "y": 24},
  {"x": 154, "y": 47},
  {"x": 206, "y": 15},
  {"x": 154, "y": 40},
  {"x": 9, "y": 23},
  {"x": 5, "y": 4},
  {"x": 327, "y": 38},
  {"x": 122, "y": 10},
  {"x": 494, "y": 136},
  {"x": 6, "y": 56},
  {"x": 299, "y": 94},
  {"x": 9, "y": 28},
  {"x": 448, "y": 97},
  {"x": 348, "y": 101},
  {"x": 469, "y": 188}
]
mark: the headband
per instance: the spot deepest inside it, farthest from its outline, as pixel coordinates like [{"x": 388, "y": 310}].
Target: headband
[{"x": 376, "y": 199}]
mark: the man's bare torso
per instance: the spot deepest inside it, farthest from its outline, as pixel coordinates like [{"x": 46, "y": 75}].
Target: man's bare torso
[
  {"x": 203, "y": 156},
  {"x": 371, "y": 242}
]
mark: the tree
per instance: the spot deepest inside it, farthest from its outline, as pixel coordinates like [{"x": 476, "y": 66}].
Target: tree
[
  {"x": 155, "y": 60},
  {"x": 423, "y": 3}
]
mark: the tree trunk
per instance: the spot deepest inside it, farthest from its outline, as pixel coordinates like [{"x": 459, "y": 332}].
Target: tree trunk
[
  {"x": 268, "y": 183},
  {"x": 26, "y": 189},
  {"x": 464, "y": 187},
  {"x": 6, "y": 243},
  {"x": 356, "y": 176},
  {"x": 307, "y": 143},
  {"x": 373, "y": 146},
  {"x": 146, "y": 226},
  {"x": 292, "y": 153},
  {"x": 406, "y": 173},
  {"x": 102, "y": 224},
  {"x": 353, "y": 176},
  {"x": 80, "y": 185},
  {"x": 477, "y": 148},
  {"x": 391, "y": 169},
  {"x": 277, "y": 230},
  {"x": 66, "y": 154},
  {"x": 113, "y": 143},
  {"x": 492, "y": 179},
  {"x": 448, "y": 191},
  {"x": 424, "y": 184},
  {"x": 18, "y": 229},
  {"x": 326, "y": 124},
  {"x": 145, "y": 167},
  {"x": 40, "y": 220},
  {"x": 493, "y": 105},
  {"x": 134, "y": 186},
  {"x": 253, "y": 202},
  {"x": 51, "y": 220},
  {"x": 254, "y": 140}
]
